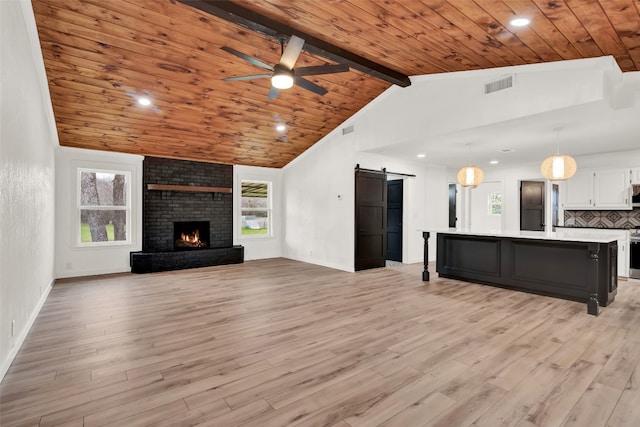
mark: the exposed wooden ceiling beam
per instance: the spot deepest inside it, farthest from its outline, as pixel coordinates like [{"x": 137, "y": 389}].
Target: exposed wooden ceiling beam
[{"x": 239, "y": 15}]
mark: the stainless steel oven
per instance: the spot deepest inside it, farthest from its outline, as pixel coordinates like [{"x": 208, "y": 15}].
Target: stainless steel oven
[
  {"x": 634, "y": 254},
  {"x": 635, "y": 195}
]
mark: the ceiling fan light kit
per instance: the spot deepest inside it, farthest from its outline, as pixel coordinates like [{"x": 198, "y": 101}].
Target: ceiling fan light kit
[{"x": 282, "y": 77}]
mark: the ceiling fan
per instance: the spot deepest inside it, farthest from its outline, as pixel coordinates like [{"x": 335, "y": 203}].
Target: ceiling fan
[{"x": 283, "y": 75}]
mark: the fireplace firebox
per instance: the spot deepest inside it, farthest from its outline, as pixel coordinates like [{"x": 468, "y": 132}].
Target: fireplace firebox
[{"x": 188, "y": 235}]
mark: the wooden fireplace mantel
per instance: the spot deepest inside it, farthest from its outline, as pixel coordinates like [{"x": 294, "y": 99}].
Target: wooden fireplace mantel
[{"x": 169, "y": 187}]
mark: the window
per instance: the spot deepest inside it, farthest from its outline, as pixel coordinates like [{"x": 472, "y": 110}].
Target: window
[
  {"x": 495, "y": 203},
  {"x": 104, "y": 207},
  {"x": 255, "y": 206}
]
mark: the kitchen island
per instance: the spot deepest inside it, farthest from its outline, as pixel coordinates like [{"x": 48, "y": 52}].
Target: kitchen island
[{"x": 551, "y": 264}]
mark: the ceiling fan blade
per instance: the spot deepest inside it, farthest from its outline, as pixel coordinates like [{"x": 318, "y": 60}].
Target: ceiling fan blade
[
  {"x": 273, "y": 93},
  {"x": 321, "y": 69},
  {"x": 251, "y": 77},
  {"x": 247, "y": 58},
  {"x": 306, "y": 84},
  {"x": 291, "y": 52}
]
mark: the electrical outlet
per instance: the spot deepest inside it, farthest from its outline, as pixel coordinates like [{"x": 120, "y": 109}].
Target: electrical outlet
[{"x": 13, "y": 328}]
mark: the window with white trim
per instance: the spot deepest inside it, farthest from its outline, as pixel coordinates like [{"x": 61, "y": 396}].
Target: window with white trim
[
  {"x": 104, "y": 207},
  {"x": 495, "y": 203},
  {"x": 255, "y": 208}
]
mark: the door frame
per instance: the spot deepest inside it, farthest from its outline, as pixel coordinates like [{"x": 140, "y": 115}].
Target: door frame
[
  {"x": 402, "y": 219},
  {"x": 456, "y": 204}
]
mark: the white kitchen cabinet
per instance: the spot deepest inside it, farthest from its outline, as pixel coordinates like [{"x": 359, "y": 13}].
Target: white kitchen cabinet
[
  {"x": 598, "y": 189},
  {"x": 612, "y": 189},
  {"x": 578, "y": 191},
  {"x": 623, "y": 256},
  {"x": 635, "y": 176}
]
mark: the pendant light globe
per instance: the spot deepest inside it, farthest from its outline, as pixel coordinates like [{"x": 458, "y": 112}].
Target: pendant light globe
[{"x": 470, "y": 176}]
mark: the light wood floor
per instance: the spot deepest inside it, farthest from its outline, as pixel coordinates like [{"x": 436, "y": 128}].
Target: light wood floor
[{"x": 281, "y": 343}]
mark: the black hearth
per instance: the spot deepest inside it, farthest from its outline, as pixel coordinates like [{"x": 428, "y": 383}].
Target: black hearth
[{"x": 189, "y": 235}]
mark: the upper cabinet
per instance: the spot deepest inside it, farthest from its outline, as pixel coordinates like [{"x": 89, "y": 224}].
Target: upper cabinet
[
  {"x": 598, "y": 189},
  {"x": 612, "y": 189},
  {"x": 578, "y": 191},
  {"x": 635, "y": 176}
]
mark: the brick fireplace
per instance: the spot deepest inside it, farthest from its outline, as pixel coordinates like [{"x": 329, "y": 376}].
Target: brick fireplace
[{"x": 184, "y": 201}]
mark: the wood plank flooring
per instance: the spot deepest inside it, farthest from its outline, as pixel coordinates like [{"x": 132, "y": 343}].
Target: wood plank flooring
[{"x": 282, "y": 343}]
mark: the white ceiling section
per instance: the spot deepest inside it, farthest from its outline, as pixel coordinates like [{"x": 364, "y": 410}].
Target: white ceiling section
[{"x": 588, "y": 105}]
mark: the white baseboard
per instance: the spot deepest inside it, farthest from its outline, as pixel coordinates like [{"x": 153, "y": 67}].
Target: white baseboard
[
  {"x": 83, "y": 273},
  {"x": 349, "y": 269},
  {"x": 25, "y": 331},
  {"x": 335, "y": 266}
]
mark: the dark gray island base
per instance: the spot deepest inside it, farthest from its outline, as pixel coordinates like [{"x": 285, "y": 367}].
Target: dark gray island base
[{"x": 584, "y": 271}]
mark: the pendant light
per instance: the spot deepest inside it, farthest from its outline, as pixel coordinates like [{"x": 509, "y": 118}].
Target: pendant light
[
  {"x": 558, "y": 167},
  {"x": 470, "y": 176}
]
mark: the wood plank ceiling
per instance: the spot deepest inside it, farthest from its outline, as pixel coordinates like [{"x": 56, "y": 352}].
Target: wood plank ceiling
[{"x": 101, "y": 55}]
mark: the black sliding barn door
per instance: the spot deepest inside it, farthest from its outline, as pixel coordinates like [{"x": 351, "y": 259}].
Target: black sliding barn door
[
  {"x": 532, "y": 205},
  {"x": 371, "y": 219}
]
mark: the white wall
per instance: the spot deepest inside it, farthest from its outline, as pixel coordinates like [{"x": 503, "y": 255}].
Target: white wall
[
  {"x": 72, "y": 260},
  {"x": 319, "y": 204},
  {"x": 626, "y": 159},
  {"x": 319, "y": 190},
  {"x": 479, "y": 206},
  {"x": 407, "y": 114},
  {"x": 510, "y": 179},
  {"x": 27, "y": 141},
  {"x": 258, "y": 247}
]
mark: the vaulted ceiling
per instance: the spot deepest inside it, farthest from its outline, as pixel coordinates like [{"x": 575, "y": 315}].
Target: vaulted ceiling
[{"x": 100, "y": 56}]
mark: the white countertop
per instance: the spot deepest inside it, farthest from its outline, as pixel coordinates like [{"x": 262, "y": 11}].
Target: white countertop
[{"x": 560, "y": 234}]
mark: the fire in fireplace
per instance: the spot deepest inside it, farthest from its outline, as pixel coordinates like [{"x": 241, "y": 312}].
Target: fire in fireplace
[{"x": 190, "y": 235}]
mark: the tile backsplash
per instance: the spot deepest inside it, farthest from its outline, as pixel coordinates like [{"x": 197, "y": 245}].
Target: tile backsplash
[{"x": 602, "y": 219}]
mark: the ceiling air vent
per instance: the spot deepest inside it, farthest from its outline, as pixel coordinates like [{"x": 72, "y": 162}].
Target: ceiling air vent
[
  {"x": 347, "y": 130},
  {"x": 502, "y": 84}
]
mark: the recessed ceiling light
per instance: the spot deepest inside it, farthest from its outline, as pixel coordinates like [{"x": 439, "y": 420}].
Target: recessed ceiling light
[
  {"x": 421, "y": 156},
  {"x": 143, "y": 100},
  {"x": 280, "y": 127},
  {"x": 494, "y": 162},
  {"x": 520, "y": 22}
]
